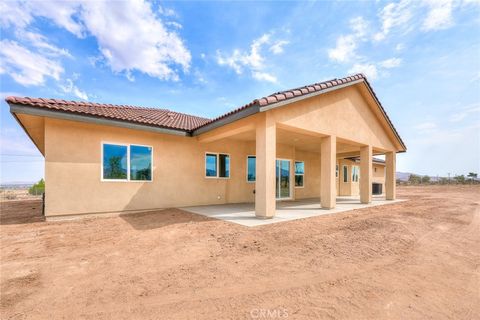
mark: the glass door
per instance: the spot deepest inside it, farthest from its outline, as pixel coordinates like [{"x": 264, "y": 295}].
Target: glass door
[{"x": 282, "y": 179}]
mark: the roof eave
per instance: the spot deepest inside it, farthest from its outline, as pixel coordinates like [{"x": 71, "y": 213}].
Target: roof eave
[
  {"x": 64, "y": 115},
  {"x": 251, "y": 110}
]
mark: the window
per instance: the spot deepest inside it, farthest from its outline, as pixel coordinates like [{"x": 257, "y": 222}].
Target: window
[
  {"x": 336, "y": 171},
  {"x": 355, "y": 173},
  {"x": 251, "y": 168},
  {"x": 211, "y": 165},
  {"x": 115, "y": 162},
  {"x": 299, "y": 174},
  {"x": 126, "y": 162},
  {"x": 345, "y": 174},
  {"x": 217, "y": 165},
  {"x": 140, "y": 163}
]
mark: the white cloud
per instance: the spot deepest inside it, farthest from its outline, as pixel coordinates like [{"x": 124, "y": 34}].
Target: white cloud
[
  {"x": 174, "y": 24},
  {"x": 70, "y": 87},
  {"x": 440, "y": 15},
  {"x": 253, "y": 60},
  {"x": 14, "y": 14},
  {"x": 129, "y": 34},
  {"x": 140, "y": 41},
  {"x": 368, "y": 69},
  {"x": 41, "y": 42},
  {"x": 27, "y": 67},
  {"x": 394, "y": 15},
  {"x": 359, "y": 26},
  {"x": 263, "y": 76},
  {"x": 346, "y": 45},
  {"x": 277, "y": 47},
  {"x": 344, "y": 50},
  {"x": 390, "y": 63}
]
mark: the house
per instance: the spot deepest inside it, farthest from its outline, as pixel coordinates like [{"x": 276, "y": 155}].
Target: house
[{"x": 316, "y": 141}]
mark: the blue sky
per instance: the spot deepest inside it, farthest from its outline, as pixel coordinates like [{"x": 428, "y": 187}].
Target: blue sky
[{"x": 205, "y": 58}]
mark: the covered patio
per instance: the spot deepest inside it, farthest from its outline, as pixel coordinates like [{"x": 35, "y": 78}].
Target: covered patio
[{"x": 244, "y": 213}]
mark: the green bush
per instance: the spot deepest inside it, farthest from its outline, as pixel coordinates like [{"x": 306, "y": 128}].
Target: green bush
[{"x": 38, "y": 188}]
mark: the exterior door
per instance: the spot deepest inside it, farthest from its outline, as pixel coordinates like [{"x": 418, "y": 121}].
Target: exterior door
[{"x": 282, "y": 179}]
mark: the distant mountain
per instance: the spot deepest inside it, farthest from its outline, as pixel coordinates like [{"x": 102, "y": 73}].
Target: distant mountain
[
  {"x": 403, "y": 176},
  {"x": 16, "y": 184}
]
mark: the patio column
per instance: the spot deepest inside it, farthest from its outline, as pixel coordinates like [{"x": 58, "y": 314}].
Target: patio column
[
  {"x": 265, "y": 165},
  {"x": 366, "y": 174},
  {"x": 390, "y": 179},
  {"x": 328, "y": 159}
]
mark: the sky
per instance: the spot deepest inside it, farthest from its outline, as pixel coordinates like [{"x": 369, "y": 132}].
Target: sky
[{"x": 206, "y": 58}]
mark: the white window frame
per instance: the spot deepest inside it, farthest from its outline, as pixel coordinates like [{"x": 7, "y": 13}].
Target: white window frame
[
  {"x": 300, "y": 174},
  {"x": 128, "y": 161},
  {"x": 218, "y": 164},
  {"x": 246, "y": 175}
]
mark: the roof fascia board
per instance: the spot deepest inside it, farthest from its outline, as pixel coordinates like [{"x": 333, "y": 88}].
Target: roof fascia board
[
  {"x": 228, "y": 119},
  {"x": 22, "y": 109},
  {"x": 308, "y": 95}
]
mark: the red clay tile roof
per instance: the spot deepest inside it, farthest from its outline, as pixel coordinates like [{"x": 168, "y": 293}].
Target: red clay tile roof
[
  {"x": 147, "y": 116},
  {"x": 180, "y": 121},
  {"x": 293, "y": 93}
]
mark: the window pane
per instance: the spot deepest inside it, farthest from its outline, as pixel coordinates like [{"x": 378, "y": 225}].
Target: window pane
[
  {"x": 298, "y": 180},
  {"x": 211, "y": 165},
  {"x": 251, "y": 168},
  {"x": 336, "y": 171},
  {"x": 299, "y": 167},
  {"x": 224, "y": 165},
  {"x": 345, "y": 174},
  {"x": 114, "y": 162},
  {"x": 140, "y": 163}
]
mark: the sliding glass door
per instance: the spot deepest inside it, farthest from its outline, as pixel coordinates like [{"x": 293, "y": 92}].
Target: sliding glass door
[{"x": 283, "y": 179}]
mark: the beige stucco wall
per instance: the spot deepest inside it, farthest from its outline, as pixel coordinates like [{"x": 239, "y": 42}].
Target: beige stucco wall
[
  {"x": 73, "y": 171},
  {"x": 344, "y": 113}
]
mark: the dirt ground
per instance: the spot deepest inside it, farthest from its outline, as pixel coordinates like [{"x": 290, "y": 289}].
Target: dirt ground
[{"x": 418, "y": 259}]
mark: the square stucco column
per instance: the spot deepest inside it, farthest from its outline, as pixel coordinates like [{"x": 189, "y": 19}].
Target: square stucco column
[
  {"x": 328, "y": 159},
  {"x": 265, "y": 165},
  {"x": 366, "y": 174},
  {"x": 390, "y": 179}
]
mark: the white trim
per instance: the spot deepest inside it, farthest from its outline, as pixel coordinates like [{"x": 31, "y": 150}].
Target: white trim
[
  {"x": 295, "y": 174},
  {"x": 128, "y": 145},
  {"x": 246, "y": 171},
  {"x": 217, "y": 165}
]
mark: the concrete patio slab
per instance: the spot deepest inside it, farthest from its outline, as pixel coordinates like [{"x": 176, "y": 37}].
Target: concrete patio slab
[{"x": 244, "y": 213}]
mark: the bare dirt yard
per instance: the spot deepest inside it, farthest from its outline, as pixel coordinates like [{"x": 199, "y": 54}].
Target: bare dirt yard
[{"x": 418, "y": 259}]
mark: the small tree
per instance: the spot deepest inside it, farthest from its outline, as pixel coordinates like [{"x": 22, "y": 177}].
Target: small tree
[
  {"x": 426, "y": 179},
  {"x": 472, "y": 176},
  {"x": 37, "y": 188},
  {"x": 460, "y": 179},
  {"x": 414, "y": 179}
]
